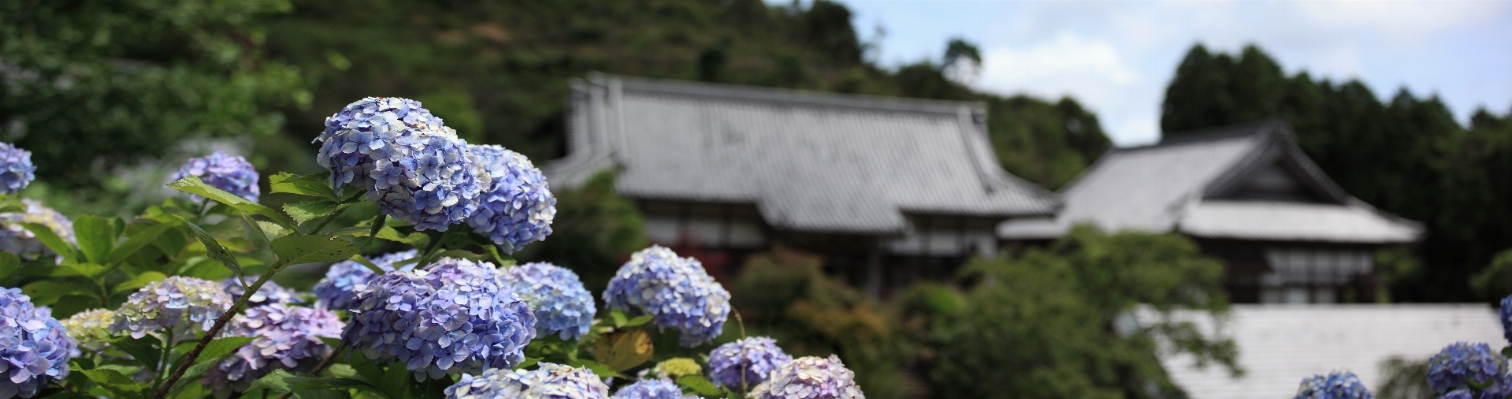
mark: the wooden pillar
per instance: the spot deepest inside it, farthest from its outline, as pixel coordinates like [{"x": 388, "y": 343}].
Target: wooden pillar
[{"x": 874, "y": 270}]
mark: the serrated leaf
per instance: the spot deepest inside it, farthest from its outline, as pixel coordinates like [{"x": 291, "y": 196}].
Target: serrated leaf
[
  {"x": 50, "y": 239},
  {"x": 47, "y": 292},
  {"x": 90, "y": 270},
  {"x": 624, "y": 350},
  {"x": 96, "y": 237},
  {"x": 117, "y": 383},
  {"x": 296, "y": 249},
  {"x": 305, "y": 211},
  {"x": 194, "y": 185},
  {"x": 138, "y": 241},
  {"x": 315, "y": 185},
  {"x": 272, "y": 230},
  {"x": 699, "y": 384},
  {"x": 391, "y": 234},
  {"x": 9, "y": 264},
  {"x": 138, "y": 281},
  {"x": 214, "y": 249},
  {"x": 144, "y": 349}
]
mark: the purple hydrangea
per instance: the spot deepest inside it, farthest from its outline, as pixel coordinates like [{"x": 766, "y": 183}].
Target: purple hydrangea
[
  {"x": 34, "y": 347},
  {"x": 90, "y": 328},
  {"x": 1506, "y": 318},
  {"x": 16, "y": 239},
  {"x": 286, "y": 338},
  {"x": 167, "y": 303},
  {"x": 650, "y": 388},
  {"x": 454, "y": 315},
  {"x": 345, "y": 278},
  {"x": 557, "y": 297},
  {"x": 550, "y": 381},
  {"x": 676, "y": 292},
  {"x": 230, "y": 173},
  {"x": 416, "y": 169},
  {"x": 810, "y": 377},
  {"x": 1500, "y": 389},
  {"x": 517, "y": 208},
  {"x": 1461, "y": 363},
  {"x": 16, "y": 169},
  {"x": 1337, "y": 384},
  {"x": 757, "y": 357},
  {"x": 270, "y": 293},
  {"x": 1458, "y": 394}
]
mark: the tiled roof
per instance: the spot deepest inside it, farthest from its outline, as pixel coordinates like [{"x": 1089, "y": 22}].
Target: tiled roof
[
  {"x": 1281, "y": 344},
  {"x": 1157, "y": 188},
  {"x": 808, "y": 161}
]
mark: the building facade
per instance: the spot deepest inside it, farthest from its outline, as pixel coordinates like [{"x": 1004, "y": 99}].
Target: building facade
[{"x": 887, "y": 190}]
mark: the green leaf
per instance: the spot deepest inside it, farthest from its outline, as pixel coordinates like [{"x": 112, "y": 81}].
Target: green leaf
[
  {"x": 90, "y": 270},
  {"x": 214, "y": 248},
  {"x": 699, "y": 384},
  {"x": 316, "y": 185},
  {"x": 638, "y": 321},
  {"x": 145, "y": 349},
  {"x": 47, "y": 292},
  {"x": 50, "y": 239},
  {"x": 96, "y": 237},
  {"x": 297, "y": 248},
  {"x": 433, "y": 388},
  {"x": 72, "y": 304},
  {"x": 138, "y": 281},
  {"x": 283, "y": 381},
  {"x": 194, "y": 185},
  {"x": 272, "y": 230},
  {"x": 368, "y": 264},
  {"x": 600, "y": 369},
  {"x": 618, "y": 317},
  {"x": 395, "y": 381},
  {"x": 624, "y": 350},
  {"x": 138, "y": 241},
  {"x": 120, "y": 384},
  {"x": 9, "y": 263},
  {"x": 305, "y": 211},
  {"x": 220, "y": 348},
  {"x": 414, "y": 239}
]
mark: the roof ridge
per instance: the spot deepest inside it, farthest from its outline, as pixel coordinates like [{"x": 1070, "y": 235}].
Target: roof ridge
[
  {"x": 786, "y": 95},
  {"x": 1215, "y": 133}
]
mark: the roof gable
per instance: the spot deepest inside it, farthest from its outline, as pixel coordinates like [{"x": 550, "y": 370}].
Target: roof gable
[{"x": 810, "y": 162}]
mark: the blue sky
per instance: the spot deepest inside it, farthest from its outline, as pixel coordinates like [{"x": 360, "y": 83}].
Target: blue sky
[{"x": 1116, "y": 57}]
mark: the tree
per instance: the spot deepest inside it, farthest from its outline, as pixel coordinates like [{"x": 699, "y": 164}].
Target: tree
[
  {"x": 962, "y": 60},
  {"x": 1056, "y": 323},
  {"x": 89, "y": 85}
]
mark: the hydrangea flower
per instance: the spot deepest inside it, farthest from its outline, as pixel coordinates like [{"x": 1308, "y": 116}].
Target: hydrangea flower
[
  {"x": 230, "y": 173},
  {"x": 1506, "y": 318},
  {"x": 1460, "y": 363},
  {"x": 416, "y": 169},
  {"x": 517, "y": 208},
  {"x": 16, "y": 169},
  {"x": 756, "y": 356},
  {"x": 286, "y": 338},
  {"x": 270, "y": 293},
  {"x": 167, "y": 303},
  {"x": 345, "y": 278},
  {"x": 1458, "y": 394},
  {"x": 550, "y": 381},
  {"x": 1337, "y": 384},
  {"x": 34, "y": 347},
  {"x": 452, "y": 315},
  {"x": 676, "y": 292},
  {"x": 650, "y": 388},
  {"x": 16, "y": 239},
  {"x": 1500, "y": 389},
  {"x": 90, "y": 328},
  {"x": 810, "y": 377},
  {"x": 560, "y": 303}
]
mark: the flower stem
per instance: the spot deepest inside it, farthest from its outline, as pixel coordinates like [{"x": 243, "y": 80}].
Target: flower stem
[{"x": 220, "y": 324}]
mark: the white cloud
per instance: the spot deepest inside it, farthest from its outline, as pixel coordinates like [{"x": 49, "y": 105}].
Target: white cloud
[
  {"x": 1066, "y": 57},
  {"x": 1401, "y": 18}
]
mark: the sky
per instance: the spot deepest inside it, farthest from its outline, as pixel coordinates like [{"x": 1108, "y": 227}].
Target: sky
[{"x": 1116, "y": 57}]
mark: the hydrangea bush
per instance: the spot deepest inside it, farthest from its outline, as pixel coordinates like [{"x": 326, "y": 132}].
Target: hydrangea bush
[{"x": 179, "y": 300}]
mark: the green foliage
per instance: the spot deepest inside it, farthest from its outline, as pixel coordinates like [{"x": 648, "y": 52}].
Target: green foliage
[
  {"x": 1407, "y": 156},
  {"x": 109, "y": 81},
  {"x": 594, "y": 232},
  {"x": 1495, "y": 279},
  {"x": 1056, "y": 322},
  {"x": 1405, "y": 379}
]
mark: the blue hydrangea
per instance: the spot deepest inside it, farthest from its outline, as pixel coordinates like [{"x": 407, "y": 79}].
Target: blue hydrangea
[
  {"x": 756, "y": 356},
  {"x": 1337, "y": 384},
  {"x": 650, "y": 388},
  {"x": 167, "y": 303},
  {"x": 416, "y": 169},
  {"x": 230, "y": 173},
  {"x": 345, "y": 278},
  {"x": 90, "y": 328},
  {"x": 453, "y": 315},
  {"x": 16, "y": 239},
  {"x": 1460, "y": 363},
  {"x": 1500, "y": 389},
  {"x": 286, "y": 338},
  {"x": 34, "y": 347},
  {"x": 1458, "y": 394},
  {"x": 1506, "y": 318},
  {"x": 517, "y": 208},
  {"x": 549, "y": 381},
  {"x": 270, "y": 293},
  {"x": 810, "y": 377},
  {"x": 557, "y": 297},
  {"x": 676, "y": 292},
  {"x": 16, "y": 169}
]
